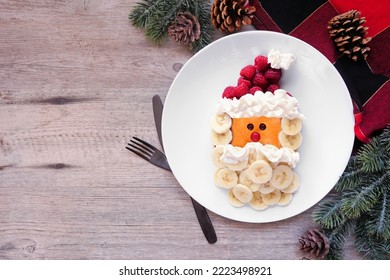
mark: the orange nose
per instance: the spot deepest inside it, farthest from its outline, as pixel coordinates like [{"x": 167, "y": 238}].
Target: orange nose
[{"x": 255, "y": 137}]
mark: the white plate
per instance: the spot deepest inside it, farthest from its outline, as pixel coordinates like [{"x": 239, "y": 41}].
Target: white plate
[{"x": 323, "y": 97}]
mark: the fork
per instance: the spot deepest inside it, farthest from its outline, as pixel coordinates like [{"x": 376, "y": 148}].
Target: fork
[
  {"x": 153, "y": 155},
  {"x": 148, "y": 152}
]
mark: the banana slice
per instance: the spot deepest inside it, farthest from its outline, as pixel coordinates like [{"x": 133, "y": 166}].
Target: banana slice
[
  {"x": 221, "y": 123},
  {"x": 242, "y": 193},
  {"x": 271, "y": 198},
  {"x": 252, "y": 156},
  {"x": 294, "y": 184},
  {"x": 216, "y": 156},
  {"x": 261, "y": 156},
  {"x": 233, "y": 199},
  {"x": 285, "y": 198},
  {"x": 260, "y": 172},
  {"x": 257, "y": 202},
  {"x": 225, "y": 178},
  {"x": 241, "y": 165},
  {"x": 244, "y": 179},
  {"x": 266, "y": 188},
  {"x": 221, "y": 139},
  {"x": 291, "y": 127},
  {"x": 290, "y": 141},
  {"x": 282, "y": 176}
]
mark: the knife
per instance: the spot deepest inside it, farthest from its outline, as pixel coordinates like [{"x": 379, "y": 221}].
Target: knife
[{"x": 201, "y": 212}]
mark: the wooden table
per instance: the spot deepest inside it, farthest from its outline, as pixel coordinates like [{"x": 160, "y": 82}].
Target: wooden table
[{"x": 76, "y": 83}]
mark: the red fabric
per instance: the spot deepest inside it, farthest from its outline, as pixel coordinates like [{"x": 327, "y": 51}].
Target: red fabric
[
  {"x": 358, "y": 131},
  {"x": 379, "y": 56},
  {"x": 318, "y": 20},
  {"x": 262, "y": 20},
  {"x": 375, "y": 114},
  {"x": 376, "y": 12}
]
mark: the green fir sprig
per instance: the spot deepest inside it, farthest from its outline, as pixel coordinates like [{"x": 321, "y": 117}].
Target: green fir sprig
[
  {"x": 155, "y": 16},
  {"x": 360, "y": 204}
]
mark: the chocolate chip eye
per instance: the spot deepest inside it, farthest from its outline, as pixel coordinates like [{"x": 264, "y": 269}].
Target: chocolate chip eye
[
  {"x": 250, "y": 126},
  {"x": 262, "y": 126}
]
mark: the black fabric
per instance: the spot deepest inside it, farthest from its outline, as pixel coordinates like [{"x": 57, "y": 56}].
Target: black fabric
[
  {"x": 288, "y": 14},
  {"x": 361, "y": 82}
]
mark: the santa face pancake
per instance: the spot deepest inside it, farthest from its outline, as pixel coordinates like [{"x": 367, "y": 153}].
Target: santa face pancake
[{"x": 256, "y": 132}]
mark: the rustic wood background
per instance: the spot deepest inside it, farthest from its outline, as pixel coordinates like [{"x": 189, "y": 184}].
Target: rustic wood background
[{"x": 76, "y": 83}]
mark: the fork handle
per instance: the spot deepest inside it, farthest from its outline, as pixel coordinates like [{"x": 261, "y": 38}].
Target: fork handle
[{"x": 205, "y": 222}]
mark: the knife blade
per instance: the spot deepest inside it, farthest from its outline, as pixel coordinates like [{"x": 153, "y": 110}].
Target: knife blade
[
  {"x": 201, "y": 212},
  {"x": 157, "y": 113}
]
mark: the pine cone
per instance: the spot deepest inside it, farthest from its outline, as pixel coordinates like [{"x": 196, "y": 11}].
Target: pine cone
[
  {"x": 315, "y": 243},
  {"x": 185, "y": 28},
  {"x": 230, "y": 15},
  {"x": 349, "y": 34}
]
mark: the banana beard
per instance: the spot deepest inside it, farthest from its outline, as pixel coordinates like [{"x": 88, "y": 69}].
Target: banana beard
[{"x": 256, "y": 177}]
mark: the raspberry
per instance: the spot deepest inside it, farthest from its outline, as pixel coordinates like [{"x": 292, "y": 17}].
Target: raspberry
[
  {"x": 245, "y": 81},
  {"x": 252, "y": 90},
  {"x": 273, "y": 87},
  {"x": 240, "y": 90},
  {"x": 248, "y": 72},
  {"x": 228, "y": 92},
  {"x": 261, "y": 63},
  {"x": 273, "y": 75},
  {"x": 260, "y": 80}
]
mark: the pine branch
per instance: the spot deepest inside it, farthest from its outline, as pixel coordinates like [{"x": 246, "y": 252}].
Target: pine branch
[
  {"x": 142, "y": 12},
  {"x": 378, "y": 223},
  {"x": 385, "y": 140},
  {"x": 356, "y": 202},
  {"x": 337, "y": 237},
  {"x": 165, "y": 11},
  {"x": 201, "y": 11},
  {"x": 329, "y": 215},
  {"x": 371, "y": 247},
  {"x": 373, "y": 156},
  {"x": 156, "y": 16},
  {"x": 155, "y": 31},
  {"x": 351, "y": 177}
]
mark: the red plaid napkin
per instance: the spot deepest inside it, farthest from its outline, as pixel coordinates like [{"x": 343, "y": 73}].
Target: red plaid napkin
[{"x": 367, "y": 81}]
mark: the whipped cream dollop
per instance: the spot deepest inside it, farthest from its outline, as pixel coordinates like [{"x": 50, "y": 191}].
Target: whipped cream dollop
[
  {"x": 278, "y": 104},
  {"x": 233, "y": 155},
  {"x": 279, "y": 60}
]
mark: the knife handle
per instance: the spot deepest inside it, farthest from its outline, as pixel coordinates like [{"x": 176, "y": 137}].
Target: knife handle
[
  {"x": 201, "y": 212},
  {"x": 205, "y": 222}
]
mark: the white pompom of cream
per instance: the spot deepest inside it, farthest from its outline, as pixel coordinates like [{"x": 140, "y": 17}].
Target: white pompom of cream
[{"x": 279, "y": 60}]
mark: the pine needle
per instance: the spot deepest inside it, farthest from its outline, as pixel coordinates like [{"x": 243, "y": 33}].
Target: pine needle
[
  {"x": 373, "y": 157},
  {"x": 337, "y": 237},
  {"x": 378, "y": 223},
  {"x": 359, "y": 201},
  {"x": 329, "y": 214},
  {"x": 371, "y": 247},
  {"x": 352, "y": 176},
  {"x": 156, "y": 16},
  {"x": 142, "y": 12}
]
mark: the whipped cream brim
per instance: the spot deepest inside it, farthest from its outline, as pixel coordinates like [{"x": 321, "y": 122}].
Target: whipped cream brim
[
  {"x": 233, "y": 155},
  {"x": 278, "y": 104}
]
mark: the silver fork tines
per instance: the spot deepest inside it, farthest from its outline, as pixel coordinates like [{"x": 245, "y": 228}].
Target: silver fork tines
[
  {"x": 141, "y": 148},
  {"x": 148, "y": 152}
]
